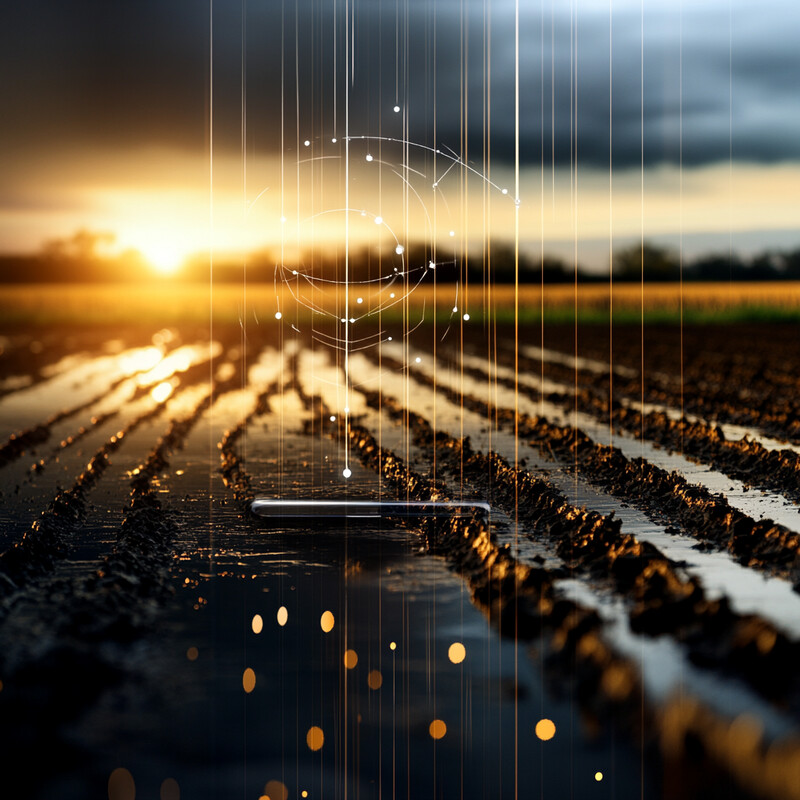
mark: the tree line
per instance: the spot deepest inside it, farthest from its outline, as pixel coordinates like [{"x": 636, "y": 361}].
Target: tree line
[{"x": 83, "y": 258}]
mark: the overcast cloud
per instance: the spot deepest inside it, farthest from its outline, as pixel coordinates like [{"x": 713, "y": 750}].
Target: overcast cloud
[{"x": 720, "y": 78}]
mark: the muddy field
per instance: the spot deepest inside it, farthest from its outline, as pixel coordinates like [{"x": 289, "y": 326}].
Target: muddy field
[{"x": 625, "y": 623}]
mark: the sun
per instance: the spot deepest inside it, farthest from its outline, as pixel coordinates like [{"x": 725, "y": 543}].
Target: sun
[{"x": 164, "y": 256}]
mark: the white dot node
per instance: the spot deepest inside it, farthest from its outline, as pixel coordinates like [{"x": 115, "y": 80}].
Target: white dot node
[
  {"x": 431, "y": 265},
  {"x": 369, "y": 157},
  {"x": 389, "y": 339},
  {"x": 505, "y": 191},
  {"x": 283, "y": 219},
  {"x": 347, "y": 409},
  {"x": 294, "y": 272},
  {"x": 278, "y": 315},
  {"x": 333, "y": 140},
  {"x": 396, "y": 109},
  {"x": 455, "y": 309},
  {"x": 343, "y": 319},
  {"x": 391, "y": 295},
  {"x": 452, "y": 233},
  {"x": 360, "y": 300},
  {"x": 352, "y": 319},
  {"x": 466, "y": 317},
  {"x": 346, "y": 472},
  {"x": 333, "y": 417},
  {"x": 307, "y": 143},
  {"x": 378, "y": 220},
  {"x": 399, "y": 249},
  {"x": 436, "y": 185},
  {"x": 418, "y": 359}
]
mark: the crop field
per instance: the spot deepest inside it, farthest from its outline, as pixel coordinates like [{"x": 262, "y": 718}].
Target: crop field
[{"x": 624, "y": 623}]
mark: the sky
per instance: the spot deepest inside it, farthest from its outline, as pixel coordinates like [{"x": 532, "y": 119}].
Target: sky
[{"x": 182, "y": 126}]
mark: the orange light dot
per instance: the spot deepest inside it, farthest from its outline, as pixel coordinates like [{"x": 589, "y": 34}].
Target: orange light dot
[
  {"x": 393, "y": 645},
  {"x": 437, "y": 729},
  {"x": 275, "y": 790},
  {"x": 326, "y": 622},
  {"x": 283, "y": 616},
  {"x": 170, "y": 790},
  {"x": 350, "y": 658},
  {"x": 257, "y": 624},
  {"x": 457, "y": 652},
  {"x": 315, "y": 738},
  {"x": 545, "y": 729},
  {"x": 374, "y": 680},
  {"x": 121, "y": 785},
  {"x": 249, "y": 680},
  {"x": 598, "y": 776},
  {"x": 192, "y": 653}
]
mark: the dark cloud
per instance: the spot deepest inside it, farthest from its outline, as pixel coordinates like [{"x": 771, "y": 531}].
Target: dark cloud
[{"x": 136, "y": 73}]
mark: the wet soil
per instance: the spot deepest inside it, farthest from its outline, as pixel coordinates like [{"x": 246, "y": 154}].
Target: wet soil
[{"x": 152, "y": 631}]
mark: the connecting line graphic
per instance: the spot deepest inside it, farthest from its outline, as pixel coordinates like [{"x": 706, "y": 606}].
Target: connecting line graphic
[{"x": 346, "y": 312}]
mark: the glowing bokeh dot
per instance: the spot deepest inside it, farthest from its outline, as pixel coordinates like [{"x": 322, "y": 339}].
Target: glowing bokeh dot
[
  {"x": 393, "y": 645},
  {"x": 333, "y": 417},
  {"x": 283, "y": 616},
  {"x": 545, "y": 729},
  {"x": 304, "y": 793},
  {"x": 374, "y": 680},
  {"x": 346, "y": 472},
  {"x": 248, "y": 680},
  {"x": 378, "y": 220},
  {"x": 170, "y": 790},
  {"x": 278, "y": 315},
  {"x": 399, "y": 249},
  {"x": 121, "y": 785},
  {"x": 315, "y": 738},
  {"x": 598, "y": 776},
  {"x": 397, "y": 109},
  {"x": 306, "y": 143},
  {"x": 350, "y": 659},
  {"x": 326, "y": 621},
  {"x": 457, "y": 652},
  {"x": 275, "y": 790},
  {"x": 192, "y": 653},
  {"x": 437, "y": 729},
  {"x": 257, "y": 624},
  {"x": 466, "y": 317},
  {"x": 369, "y": 157}
]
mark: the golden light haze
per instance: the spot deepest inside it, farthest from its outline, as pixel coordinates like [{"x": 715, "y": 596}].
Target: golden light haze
[{"x": 159, "y": 202}]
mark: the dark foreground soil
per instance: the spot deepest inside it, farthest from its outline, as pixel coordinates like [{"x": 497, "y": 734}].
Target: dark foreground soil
[{"x": 156, "y": 639}]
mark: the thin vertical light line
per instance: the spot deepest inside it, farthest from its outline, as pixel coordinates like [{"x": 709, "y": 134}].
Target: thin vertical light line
[
  {"x": 641, "y": 365},
  {"x": 541, "y": 205},
  {"x": 516, "y": 376},
  {"x": 730, "y": 155},
  {"x": 347, "y": 254},
  {"x": 210, "y": 259},
  {"x": 244, "y": 209},
  {"x": 610, "y": 224},
  {"x": 680, "y": 210}
]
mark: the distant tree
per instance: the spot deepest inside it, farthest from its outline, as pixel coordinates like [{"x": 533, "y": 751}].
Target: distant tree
[
  {"x": 764, "y": 267},
  {"x": 657, "y": 263},
  {"x": 83, "y": 245},
  {"x": 790, "y": 265},
  {"x": 716, "y": 267}
]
